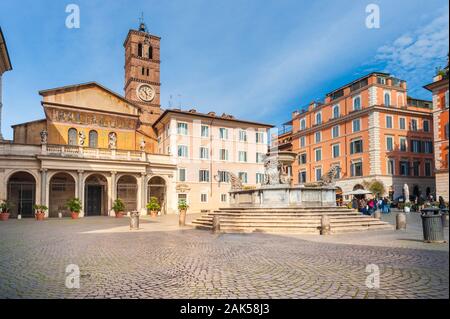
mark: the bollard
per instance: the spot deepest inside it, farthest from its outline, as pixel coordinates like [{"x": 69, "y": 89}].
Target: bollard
[
  {"x": 444, "y": 219},
  {"x": 377, "y": 215},
  {"x": 325, "y": 227},
  {"x": 134, "y": 220},
  {"x": 19, "y": 216},
  {"x": 216, "y": 224},
  {"x": 400, "y": 221}
]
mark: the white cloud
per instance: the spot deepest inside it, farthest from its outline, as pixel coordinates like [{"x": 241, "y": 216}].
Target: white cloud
[{"x": 414, "y": 56}]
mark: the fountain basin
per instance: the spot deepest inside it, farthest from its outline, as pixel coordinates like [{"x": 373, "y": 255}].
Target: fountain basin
[{"x": 281, "y": 196}]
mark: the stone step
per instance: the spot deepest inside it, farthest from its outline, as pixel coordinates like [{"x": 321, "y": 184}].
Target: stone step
[
  {"x": 296, "y": 229},
  {"x": 337, "y": 230},
  {"x": 283, "y": 208},
  {"x": 281, "y": 214},
  {"x": 295, "y": 221},
  {"x": 299, "y": 223},
  {"x": 286, "y": 218},
  {"x": 293, "y": 225},
  {"x": 293, "y": 230}
]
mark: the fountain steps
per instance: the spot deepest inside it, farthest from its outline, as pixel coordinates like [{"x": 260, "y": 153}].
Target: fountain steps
[{"x": 289, "y": 220}]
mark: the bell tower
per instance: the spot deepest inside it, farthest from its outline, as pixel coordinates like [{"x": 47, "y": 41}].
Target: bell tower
[{"x": 142, "y": 74}]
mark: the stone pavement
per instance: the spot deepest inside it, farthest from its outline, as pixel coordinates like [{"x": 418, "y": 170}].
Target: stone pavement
[{"x": 163, "y": 261}]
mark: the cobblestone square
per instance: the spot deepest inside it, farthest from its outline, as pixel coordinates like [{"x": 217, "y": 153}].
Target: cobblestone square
[{"x": 163, "y": 261}]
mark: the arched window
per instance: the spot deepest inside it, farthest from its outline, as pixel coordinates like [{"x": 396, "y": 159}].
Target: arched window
[
  {"x": 336, "y": 111},
  {"x": 357, "y": 103},
  {"x": 72, "y": 137},
  {"x": 387, "y": 99},
  {"x": 150, "y": 52},
  {"x": 93, "y": 139},
  {"x": 319, "y": 118},
  {"x": 303, "y": 124},
  {"x": 140, "y": 49}
]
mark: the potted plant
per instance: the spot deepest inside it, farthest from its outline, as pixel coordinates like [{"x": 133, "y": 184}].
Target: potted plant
[
  {"x": 407, "y": 207},
  {"x": 153, "y": 206},
  {"x": 40, "y": 211},
  {"x": 118, "y": 208},
  {"x": 74, "y": 205},
  {"x": 5, "y": 207},
  {"x": 182, "y": 207}
]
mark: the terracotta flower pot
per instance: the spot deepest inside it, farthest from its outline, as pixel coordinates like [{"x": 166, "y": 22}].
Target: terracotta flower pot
[
  {"x": 40, "y": 216},
  {"x": 119, "y": 214},
  {"x": 74, "y": 215},
  {"x": 182, "y": 217},
  {"x": 153, "y": 213},
  {"x": 4, "y": 216}
]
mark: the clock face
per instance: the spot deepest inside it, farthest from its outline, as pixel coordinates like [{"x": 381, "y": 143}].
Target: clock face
[{"x": 146, "y": 92}]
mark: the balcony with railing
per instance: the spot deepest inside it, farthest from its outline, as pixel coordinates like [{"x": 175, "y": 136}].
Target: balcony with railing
[{"x": 71, "y": 151}]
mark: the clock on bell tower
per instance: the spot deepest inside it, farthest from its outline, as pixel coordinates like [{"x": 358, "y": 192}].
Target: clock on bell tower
[{"x": 142, "y": 74}]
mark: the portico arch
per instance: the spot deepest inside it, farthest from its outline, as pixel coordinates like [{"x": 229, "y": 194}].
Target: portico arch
[
  {"x": 96, "y": 195},
  {"x": 21, "y": 192},
  {"x": 127, "y": 191},
  {"x": 157, "y": 188},
  {"x": 62, "y": 188}
]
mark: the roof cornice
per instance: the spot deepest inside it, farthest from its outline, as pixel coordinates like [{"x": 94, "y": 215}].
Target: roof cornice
[{"x": 4, "y": 54}]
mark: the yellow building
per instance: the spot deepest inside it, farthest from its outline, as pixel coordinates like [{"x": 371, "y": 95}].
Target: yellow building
[{"x": 88, "y": 146}]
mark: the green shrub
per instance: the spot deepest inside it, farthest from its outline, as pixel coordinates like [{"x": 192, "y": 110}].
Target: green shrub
[
  {"x": 182, "y": 205},
  {"x": 153, "y": 205},
  {"x": 40, "y": 208},
  {"x": 118, "y": 205},
  {"x": 74, "y": 205}
]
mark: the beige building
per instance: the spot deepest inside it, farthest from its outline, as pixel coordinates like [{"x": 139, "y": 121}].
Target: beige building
[{"x": 206, "y": 148}]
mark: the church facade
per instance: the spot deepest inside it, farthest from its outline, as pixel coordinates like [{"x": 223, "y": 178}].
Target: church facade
[
  {"x": 97, "y": 145},
  {"x": 93, "y": 144}
]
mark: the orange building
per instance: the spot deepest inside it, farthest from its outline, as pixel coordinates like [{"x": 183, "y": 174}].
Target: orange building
[
  {"x": 439, "y": 88},
  {"x": 372, "y": 130}
]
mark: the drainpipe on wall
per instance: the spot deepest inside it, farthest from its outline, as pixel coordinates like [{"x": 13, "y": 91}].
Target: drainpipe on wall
[
  {"x": 1, "y": 107},
  {"x": 210, "y": 158}
]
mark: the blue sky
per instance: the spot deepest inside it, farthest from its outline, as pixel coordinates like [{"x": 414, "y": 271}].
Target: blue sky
[{"x": 258, "y": 60}]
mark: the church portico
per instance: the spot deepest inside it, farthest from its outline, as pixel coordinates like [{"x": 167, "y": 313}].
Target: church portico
[{"x": 52, "y": 179}]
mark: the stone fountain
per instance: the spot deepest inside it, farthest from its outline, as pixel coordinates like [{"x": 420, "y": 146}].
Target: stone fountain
[
  {"x": 279, "y": 207},
  {"x": 278, "y": 191}
]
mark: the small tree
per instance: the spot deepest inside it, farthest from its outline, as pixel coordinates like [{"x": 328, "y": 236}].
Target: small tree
[
  {"x": 376, "y": 187},
  {"x": 153, "y": 205}
]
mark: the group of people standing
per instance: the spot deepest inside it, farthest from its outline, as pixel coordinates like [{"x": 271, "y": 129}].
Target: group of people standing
[{"x": 368, "y": 207}]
